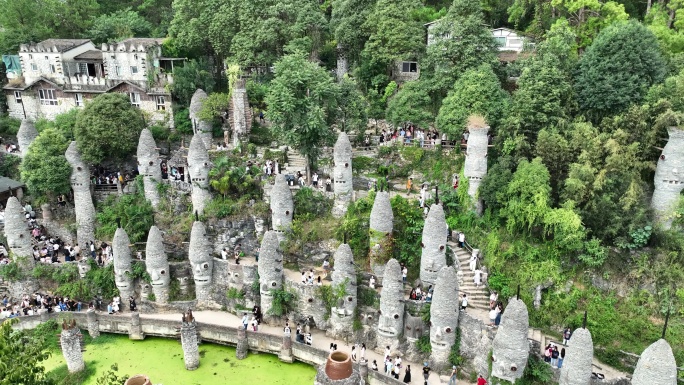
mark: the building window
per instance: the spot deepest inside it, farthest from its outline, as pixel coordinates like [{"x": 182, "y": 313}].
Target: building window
[
  {"x": 83, "y": 68},
  {"x": 47, "y": 97},
  {"x": 134, "y": 70},
  {"x": 135, "y": 99},
  {"x": 500, "y": 41},
  {"x": 47, "y": 58},
  {"x": 79, "y": 100},
  {"x": 17, "y": 97},
  {"x": 515, "y": 42},
  {"x": 117, "y": 69},
  {"x": 409, "y": 66},
  {"x": 161, "y": 103},
  {"x": 34, "y": 67},
  {"x": 30, "y": 57},
  {"x": 52, "y": 68}
]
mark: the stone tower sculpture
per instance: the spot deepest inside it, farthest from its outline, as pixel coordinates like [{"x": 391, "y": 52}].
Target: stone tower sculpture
[
  {"x": 189, "y": 341},
  {"x": 282, "y": 206},
  {"x": 433, "y": 255},
  {"x": 199, "y": 165},
  {"x": 200, "y": 127},
  {"x": 17, "y": 232},
  {"x": 342, "y": 62},
  {"x": 510, "y": 347},
  {"x": 270, "y": 270},
  {"x": 242, "y": 348},
  {"x": 576, "y": 368},
  {"x": 83, "y": 200},
  {"x": 342, "y": 174},
  {"x": 201, "y": 261},
  {"x": 148, "y": 166},
  {"x": 93, "y": 324},
  {"x": 123, "y": 265},
  {"x": 669, "y": 178},
  {"x": 344, "y": 273},
  {"x": 444, "y": 313},
  {"x": 240, "y": 113},
  {"x": 475, "y": 168},
  {"x": 70, "y": 340},
  {"x": 25, "y": 136},
  {"x": 656, "y": 366},
  {"x": 391, "y": 322},
  {"x": 157, "y": 265},
  {"x": 381, "y": 225}
]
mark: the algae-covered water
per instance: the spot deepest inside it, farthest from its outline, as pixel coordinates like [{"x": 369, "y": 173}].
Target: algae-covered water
[{"x": 162, "y": 360}]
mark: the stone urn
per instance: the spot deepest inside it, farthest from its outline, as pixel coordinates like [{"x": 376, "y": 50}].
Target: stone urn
[
  {"x": 338, "y": 366},
  {"x": 47, "y": 212},
  {"x": 138, "y": 379}
]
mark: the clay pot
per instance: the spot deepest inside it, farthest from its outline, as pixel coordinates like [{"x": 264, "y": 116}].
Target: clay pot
[
  {"x": 138, "y": 379},
  {"x": 338, "y": 366}
]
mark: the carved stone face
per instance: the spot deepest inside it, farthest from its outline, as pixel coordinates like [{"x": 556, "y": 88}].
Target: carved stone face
[
  {"x": 391, "y": 322},
  {"x": 201, "y": 261},
  {"x": 122, "y": 260},
  {"x": 156, "y": 261},
  {"x": 444, "y": 310},
  {"x": 433, "y": 256},
  {"x": 670, "y": 167},
  {"x": 413, "y": 327},
  {"x": 80, "y": 175},
  {"x": 342, "y": 156},
  {"x": 282, "y": 205},
  {"x": 270, "y": 265},
  {"x": 83, "y": 268},
  {"x": 387, "y": 325},
  {"x": 198, "y": 162}
]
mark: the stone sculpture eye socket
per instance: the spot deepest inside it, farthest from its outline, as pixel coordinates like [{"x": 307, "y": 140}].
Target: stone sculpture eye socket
[
  {"x": 346, "y": 165},
  {"x": 422, "y": 245},
  {"x": 205, "y": 265},
  {"x": 441, "y": 247},
  {"x": 274, "y": 284},
  {"x": 79, "y": 168},
  {"x": 408, "y": 328},
  {"x": 287, "y": 212},
  {"x": 350, "y": 299},
  {"x": 662, "y": 157},
  {"x": 447, "y": 329},
  {"x": 151, "y": 163},
  {"x": 310, "y": 300},
  {"x": 162, "y": 272},
  {"x": 396, "y": 316}
]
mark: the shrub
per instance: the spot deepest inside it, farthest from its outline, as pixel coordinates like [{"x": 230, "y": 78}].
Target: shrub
[
  {"x": 311, "y": 204},
  {"x": 423, "y": 344},
  {"x": 283, "y": 302}
]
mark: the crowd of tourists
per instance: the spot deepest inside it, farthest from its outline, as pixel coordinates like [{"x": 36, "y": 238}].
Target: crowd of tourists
[{"x": 29, "y": 305}]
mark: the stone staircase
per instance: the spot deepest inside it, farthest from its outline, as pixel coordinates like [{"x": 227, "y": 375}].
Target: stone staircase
[
  {"x": 295, "y": 162},
  {"x": 478, "y": 297}
]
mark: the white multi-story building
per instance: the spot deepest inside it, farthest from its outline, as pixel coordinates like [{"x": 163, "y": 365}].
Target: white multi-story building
[
  {"x": 508, "y": 40},
  {"x": 60, "y": 74}
]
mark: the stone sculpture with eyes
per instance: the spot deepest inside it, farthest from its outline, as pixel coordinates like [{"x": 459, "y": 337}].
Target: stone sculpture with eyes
[
  {"x": 282, "y": 206},
  {"x": 270, "y": 269},
  {"x": 443, "y": 316},
  {"x": 344, "y": 273},
  {"x": 16, "y": 232},
  {"x": 413, "y": 327},
  {"x": 343, "y": 186},
  {"x": 148, "y": 165},
  {"x": 475, "y": 167},
  {"x": 669, "y": 178},
  {"x": 83, "y": 201},
  {"x": 510, "y": 347},
  {"x": 122, "y": 264},
  {"x": 201, "y": 261},
  {"x": 433, "y": 255},
  {"x": 199, "y": 165},
  {"x": 157, "y": 265},
  {"x": 391, "y": 322},
  {"x": 83, "y": 267}
]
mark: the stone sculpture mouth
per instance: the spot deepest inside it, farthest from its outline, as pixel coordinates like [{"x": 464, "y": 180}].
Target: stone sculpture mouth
[
  {"x": 672, "y": 181},
  {"x": 202, "y": 281},
  {"x": 158, "y": 284},
  {"x": 440, "y": 345},
  {"x": 122, "y": 285},
  {"x": 386, "y": 332}
]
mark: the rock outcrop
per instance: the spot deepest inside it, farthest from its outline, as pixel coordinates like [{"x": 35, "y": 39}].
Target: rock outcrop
[
  {"x": 344, "y": 273},
  {"x": 391, "y": 321},
  {"x": 576, "y": 368},
  {"x": 656, "y": 366}
]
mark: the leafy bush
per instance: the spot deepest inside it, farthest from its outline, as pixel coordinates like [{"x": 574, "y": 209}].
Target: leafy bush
[
  {"x": 423, "y": 344},
  {"x": 9, "y": 165},
  {"x": 159, "y": 132},
  {"x": 9, "y": 126},
  {"x": 136, "y": 213},
  {"x": 368, "y": 297},
  {"x": 181, "y": 121},
  {"x": 283, "y": 302},
  {"x": 311, "y": 204},
  {"x": 12, "y": 272},
  {"x": 537, "y": 372},
  {"x": 260, "y": 135},
  {"x": 363, "y": 164}
]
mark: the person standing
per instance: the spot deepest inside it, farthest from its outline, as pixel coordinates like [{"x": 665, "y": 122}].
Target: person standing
[
  {"x": 481, "y": 380},
  {"x": 353, "y": 353},
  {"x": 409, "y": 185},
  {"x": 477, "y": 277},
  {"x": 407, "y": 375},
  {"x": 388, "y": 366},
  {"x": 461, "y": 240},
  {"x": 452, "y": 378},
  {"x": 554, "y": 356},
  {"x": 387, "y": 352},
  {"x": 374, "y": 365},
  {"x": 363, "y": 352},
  {"x": 464, "y": 302},
  {"x": 254, "y": 324},
  {"x": 567, "y": 333},
  {"x": 561, "y": 357},
  {"x": 473, "y": 261},
  {"x": 245, "y": 321},
  {"x": 426, "y": 371},
  {"x": 404, "y": 273}
]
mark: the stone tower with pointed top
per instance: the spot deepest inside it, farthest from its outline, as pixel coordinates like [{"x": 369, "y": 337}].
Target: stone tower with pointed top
[
  {"x": 240, "y": 112},
  {"x": 200, "y": 127},
  {"x": 189, "y": 341},
  {"x": 391, "y": 322},
  {"x": 25, "y": 136},
  {"x": 344, "y": 273},
  {"x": 510, "y": 347},
  {"x": 656, "y": 366},
  {"x": 342, "y": 174},
  {"x": 83, "y": 200},
  {"x": 282, "y": 206},
  {"x": 381, "y": 224},
  {"x": 475, "y": 168},
  {"x": 148, "y": 166},
  {"x": 199, "y": 165},
  {"x": 270, "y": 270},
  {"x": 669, "y": 178},
  {"x": 201, "y": 261},
  {"x": 123, "y": 265},
  {"x": 433, "y": 254},
  {"x": 576, "y": 368},
  {"x": 17, "y": 232},
  {"x": 444, "y": 313},
  {"x": 70, "y": 340},
  {"x": 157, "y": 265}
]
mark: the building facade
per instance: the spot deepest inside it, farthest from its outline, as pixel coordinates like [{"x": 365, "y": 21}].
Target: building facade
[{"x": 60, "y": 74}]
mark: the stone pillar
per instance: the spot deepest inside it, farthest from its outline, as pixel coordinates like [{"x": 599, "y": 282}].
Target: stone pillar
[
  {"x": 433, "y": 254},
  {"x": 656, "y": 366},
  {"x": 342, "y": 175},
  {"x": 240, "y": 112},
  {"x": 475, "y": 168},
  {"x": 70, "y": 340},
  {"x": 576, "y": 368},
  {"x": 669, "y": 178},
  {"x": 282, "y": 206},
  {"x": 157, "y": 265},
  {"x": 17, "y": 233},
  {"x": 344, "y": 273},
  {"x": 25, "y": 136},
  {"x": 189, "y": 341},
  {"x": 242, "y": 345},
  {"x": 201, "y": 262},
  {"x": 342, "y": 63},
  {"x": 135, "y": 332},
  {"x": 444, "y": 314},
  {"x": 510, "y": 347},
  {"x": 363, "y": 370},
  {"x": 149, "y": 166},
  {"x": 270, "y": 270},
  {"x": 199, "y": 165},
  {"x": 83, "y": 200},
  {"x": 285, "y": 354},
  {"x": 123, "y": 266},
  {"x": 381, "y": 224},
  {"x": 200, "y": 127},
  {"x": 391, "y": 322},
  {"x": 93, "y": 324},
  {"x": 47, "y": 212}
]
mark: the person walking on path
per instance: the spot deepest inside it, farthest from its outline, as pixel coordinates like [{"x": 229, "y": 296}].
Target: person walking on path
[
  {"x": 567, "y": 333},
  {"x": 409, "y": 185},
  {"x": 353, "y": 353},
  {"x": 363, "y": 352},
  {"x": 461, "y": 240},
  {"x": 452, "y": 379},
  {"x": 561, "y": 357},
  {"x": 407, "y": 375},
  {"x": 464, "y": 302},
  {"x": 245, "y": 320},
  {"x": 481, "y": 380},
  {"x": 473, "y": 260},
  {"x": 426, "y": 371}
]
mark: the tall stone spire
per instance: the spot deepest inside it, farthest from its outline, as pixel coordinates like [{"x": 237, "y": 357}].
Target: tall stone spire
[
  {"x": 344, "y": 273},
  {"x": 70, "y": 340},
  {"x": 475, "y": 168},
  {"x": 123, "y": 265},
  {"x": 510, "y": 347},
  {"x": 25, "y": 136},
  {"x": 433, "y": 255},
  {"x": 189, "y": 341},
  {"x": 444, "y": 313},
  {"x": 282, "y": 206},
  {"x": 656, "y": 366},
  {"x": 17, "y": 232},
  {"x": 149, "y": 165},
  {"x": 200, "y": 127},
  {"x": 576, "y": 368},
  {"x": 199, "y": 165},
  {"x": 391, "y": 322},
  {"x": 381, "y": 224},
  {"x": 669, "y": 178},
  {"x": 83, "y": 200},
  {"x": 343, "y": 186},
  {"x": 270, "y": 270},
  {"x": 240, "y": 112},
  {"x": 157, "y": 265},
  {"x": 201, "y": 261}
]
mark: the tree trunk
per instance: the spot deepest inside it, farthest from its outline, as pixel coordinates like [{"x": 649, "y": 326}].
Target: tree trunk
[
  {"x": 308, "y": 168},
  {"x": 670, "y": 19},
  {"x": 649, "y": 3}
]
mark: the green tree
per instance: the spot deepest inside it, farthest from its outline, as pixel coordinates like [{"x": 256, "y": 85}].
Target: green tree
[
  {"x": 108, "y": 128},
  {"x": 477, "y": 91},
  {"x": 207, "y": 26},
  {"x": 610, "y": 78},
  {"x": 302, "y": 103},
  {"x": 556, "y": 154},
  {"x": 528, "y": 198},
  {"x": 346, "y": 22},
  {"x": 21, "y": 357},
  {"x": 411, "y": 104},
  {"x": 188, "y": 78},
  {"x": 118, "y": 26},
  {"x": 45, "y": 169},
  {"x": 352, "y": 107}
]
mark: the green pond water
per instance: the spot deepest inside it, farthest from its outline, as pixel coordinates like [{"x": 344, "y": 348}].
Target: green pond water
[{"x": 162, "y": 360}]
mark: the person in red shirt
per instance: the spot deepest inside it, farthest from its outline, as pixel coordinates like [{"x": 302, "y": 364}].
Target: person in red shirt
[{"x": 481, "y": 380}]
